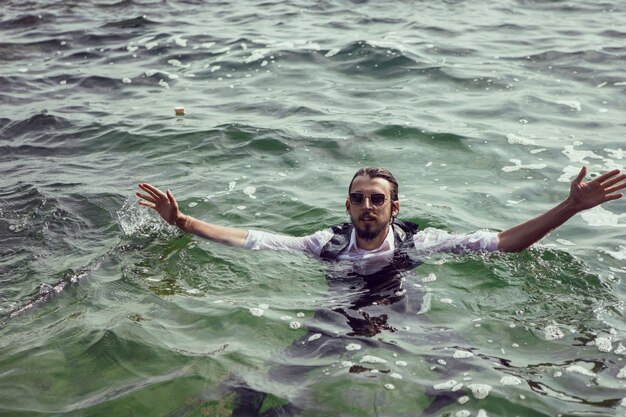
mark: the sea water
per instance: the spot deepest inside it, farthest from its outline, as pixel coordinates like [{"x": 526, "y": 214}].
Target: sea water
[{"x": 484, "y": 111}]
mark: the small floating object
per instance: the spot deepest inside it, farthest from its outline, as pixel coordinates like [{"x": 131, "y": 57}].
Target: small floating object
[{"x": 180, "y": 111}]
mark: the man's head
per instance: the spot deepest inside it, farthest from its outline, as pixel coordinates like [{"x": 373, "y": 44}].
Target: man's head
[{"x": 372, "y": 202}]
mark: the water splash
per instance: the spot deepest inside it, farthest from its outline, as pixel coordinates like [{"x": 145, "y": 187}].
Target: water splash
[{"x": 137, "y": 221}]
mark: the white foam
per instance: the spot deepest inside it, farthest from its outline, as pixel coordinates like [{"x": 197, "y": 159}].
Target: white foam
[
  {"x": 164, "y": 84},
  {"x": 481, "y": 413},
  {"x": 285, "y": 318},
  {"x": 445, "y": 300},
  {"x": 480, "y": 391},
  {"x": 249, "y": 191},
  {"x": 552, "y": 332},
  {"x": 599, "y": 216},
  {"x": 353, "y": 346},
  {"x": 620, "y": 349},
  {"x": 462, "y": 354},
  {"x": 395, "y": 375},
  {"x": 258, "y": 312},
  {"x": 462, "y": 400},
  {"x": 441, "y": 362},
  {"x": 462, "y": 413},
  {"x": 445, "y": 386},
  {"x": 332, "y": 52},
  {"x": 518, "y": 165},
  {"x": 565, "y": 242},
  {"x": 510, "y": 380},
  {"x": 616, "y": 153},
  {"x": 347, "y": 364},
  {"x": 314, "y": 337},
  {"x": 457, "y": 387},
  {"x": 372, "y": 359},
  {"x": 604, "y": 344},
  {"x": 264, "y": 306},
  {"x": 180, "y": 41},
  {"x": 126, "y": 80},
  {"x": 575, "y": 155},
  {"x": 536, "y": 151},
  {"x": 389, "y": 386},
  {"x": 513, "y": 202},
  {"x": 430, "y": 278},
  {"x": 401, "y": 363},
  {"x": 514, "y": 139},
  {"x": 294, "y": 325},
  {"x": 300, "y": 314},
  {"x": 622, "y": 373},
  {"x": 620, "y": 83},
  {"x": 426, "y": 303},
  {"x": 577, "y": 369},
  {"x": 572, "y": 104}
]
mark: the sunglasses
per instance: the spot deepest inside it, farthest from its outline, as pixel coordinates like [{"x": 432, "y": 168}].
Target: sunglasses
[{"x": 377, "y": 199}]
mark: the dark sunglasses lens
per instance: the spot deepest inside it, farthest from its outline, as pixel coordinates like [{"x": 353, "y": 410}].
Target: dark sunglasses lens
[
  {"x": 356, "y": 198},
  {"x": 377, "y": 199}
]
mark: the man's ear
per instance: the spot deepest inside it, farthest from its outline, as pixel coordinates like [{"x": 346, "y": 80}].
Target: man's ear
[
  {"x": 395, "y": 208},
  {"x": 347, "y": 204}
]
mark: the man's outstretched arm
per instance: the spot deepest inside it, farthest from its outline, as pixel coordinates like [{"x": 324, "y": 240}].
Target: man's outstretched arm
[
  {"x": 165, "y": 204},
  {"x": 583, "y": 195}
]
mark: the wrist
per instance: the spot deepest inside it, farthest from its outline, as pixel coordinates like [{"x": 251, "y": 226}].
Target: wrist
[
  {"x": 182, "y": 221},
  {"x": 570, "y": 206}
]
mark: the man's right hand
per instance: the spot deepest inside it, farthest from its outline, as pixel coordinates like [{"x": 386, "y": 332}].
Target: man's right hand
[{"x": 163, "y": 203}]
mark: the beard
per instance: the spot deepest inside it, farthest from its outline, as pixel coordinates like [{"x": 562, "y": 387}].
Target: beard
[{"x": 373, "y": 230}]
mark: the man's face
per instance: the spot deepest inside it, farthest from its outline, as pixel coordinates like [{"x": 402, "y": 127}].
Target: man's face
[{"x": 371, "y": 220}]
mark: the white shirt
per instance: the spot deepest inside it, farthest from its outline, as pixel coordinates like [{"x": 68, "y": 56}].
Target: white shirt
[{"x": 427, "y": 242}]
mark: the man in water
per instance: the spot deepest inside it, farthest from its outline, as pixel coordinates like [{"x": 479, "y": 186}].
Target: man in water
[
  {"x": 378, "y": 250},
  {"x": 373, "y": 206}
]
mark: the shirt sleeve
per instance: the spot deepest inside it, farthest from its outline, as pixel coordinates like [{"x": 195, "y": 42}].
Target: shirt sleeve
[
  {"x": 430, "y": 240},
  {"x": 258, "y": 240}
]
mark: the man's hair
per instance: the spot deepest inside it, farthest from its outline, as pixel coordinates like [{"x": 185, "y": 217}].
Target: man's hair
[{"x": 377, "y": 172}]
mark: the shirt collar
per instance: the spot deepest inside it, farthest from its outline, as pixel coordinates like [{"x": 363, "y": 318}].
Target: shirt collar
[{"x": 387, "y": 244}]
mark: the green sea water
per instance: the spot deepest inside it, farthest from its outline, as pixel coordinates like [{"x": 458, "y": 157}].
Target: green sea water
[{"x": 484, "y": 112}]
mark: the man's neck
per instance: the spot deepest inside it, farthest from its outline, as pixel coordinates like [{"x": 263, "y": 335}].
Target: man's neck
[{"x": 373, "y": 243}]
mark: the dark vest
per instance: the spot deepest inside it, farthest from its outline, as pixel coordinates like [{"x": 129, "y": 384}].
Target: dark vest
[{"x": 383, "y": 286}]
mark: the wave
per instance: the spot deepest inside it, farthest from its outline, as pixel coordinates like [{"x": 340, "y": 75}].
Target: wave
[
  {"x": 40, "y": 122},
  {"x": 135, "y": 22},
  {"x": 24, "y": 21}
]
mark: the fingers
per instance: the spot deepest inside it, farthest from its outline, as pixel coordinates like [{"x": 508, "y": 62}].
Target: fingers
[
  {"x": 613, "y": 197},
  {"x": 146, "y": 197},
  {"x": 581, "y": 175},
  {"x": 607, "y": 175},
  {"x": 145, "y": 203},
  {"x": 616, "y": 188},
  {"x": 173, "y": 201},
  {"x": 152, "y": 190},
  {"x": 614, "y": 181}
]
